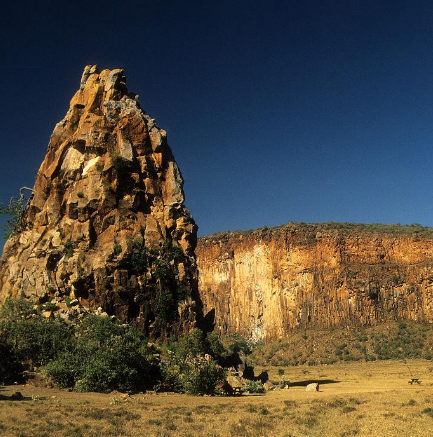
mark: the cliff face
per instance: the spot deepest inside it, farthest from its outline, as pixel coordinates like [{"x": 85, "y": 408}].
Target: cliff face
[
  {"x": 269, "y": 282},
  {"x": 106, "y": 222}
]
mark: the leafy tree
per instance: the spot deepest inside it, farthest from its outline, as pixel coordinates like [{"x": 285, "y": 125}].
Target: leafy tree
[
  {"x": 34, "y": 339},
  {"x": 14, "y": 209},
  {"x": 190, "y": 367},
  {"x": 216, "y": 347},
  {"x": 107, "y": 356}
]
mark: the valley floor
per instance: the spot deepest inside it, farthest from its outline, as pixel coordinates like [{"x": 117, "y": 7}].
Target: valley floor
[{"x": 355, "y": 399}]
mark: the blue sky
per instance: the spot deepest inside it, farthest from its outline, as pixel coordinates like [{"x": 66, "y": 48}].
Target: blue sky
[{"x": 276, "y": 111}]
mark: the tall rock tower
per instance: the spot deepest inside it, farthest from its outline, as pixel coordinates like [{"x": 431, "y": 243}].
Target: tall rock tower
[{"x": 106, "y": 222}]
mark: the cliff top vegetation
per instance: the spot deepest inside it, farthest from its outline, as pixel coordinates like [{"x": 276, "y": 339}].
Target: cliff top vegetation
[{"x": 333, "y": 229}]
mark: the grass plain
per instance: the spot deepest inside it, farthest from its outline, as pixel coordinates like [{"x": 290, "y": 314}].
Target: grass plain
[{"x": 355, "y": 399}]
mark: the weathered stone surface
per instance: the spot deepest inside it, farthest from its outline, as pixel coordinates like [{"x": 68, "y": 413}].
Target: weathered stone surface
[
  {"x": 269, "y": 386},
  {"x": 235, "y": 381},
  {"x": 108, "y": 185},
  {"x": 269, "y": 282}
]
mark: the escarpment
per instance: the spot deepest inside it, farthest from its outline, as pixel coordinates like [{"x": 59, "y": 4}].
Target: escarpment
[
  {"x": 106, "y": 223},
  {"x": 269, "y": 282}
]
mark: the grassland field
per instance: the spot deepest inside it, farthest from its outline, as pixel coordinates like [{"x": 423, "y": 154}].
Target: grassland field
[{"x": 355, "y": 399}]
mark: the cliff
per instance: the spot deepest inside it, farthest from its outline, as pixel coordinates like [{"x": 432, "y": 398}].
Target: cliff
[
  {"x": 268, "y": 283},
  {"x": 106, "y": 222}
]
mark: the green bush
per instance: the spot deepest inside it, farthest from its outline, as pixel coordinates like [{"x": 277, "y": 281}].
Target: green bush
[
  {"x": 216, "y": 347},
  {"x": 64, "y": 370},
  {"x": 200, "y": 375},
  {"x": 34, "y": 339},
  {"x": 106, "y": 356},
  {"x": 103, "y": 355},
  {"x": 190, "y": 345},
  {"x": 253, "y": 387},
  {"x": 235, "y": 342},
  {"x": 190, "y": 367},
  {"x": 284, "y": 383},
  {"x": 14, "y": 210}
]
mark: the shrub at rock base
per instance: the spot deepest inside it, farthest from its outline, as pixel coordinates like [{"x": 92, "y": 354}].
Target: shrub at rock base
[
  {"x": 106, "y": 356},
  {"x": 253, "y": 387},
  {"x": 189, "y": 367},
  {"x": 10, "y": 367},
  {"x": 34, "y": 339},
  {"x": 101, "y": 354}
]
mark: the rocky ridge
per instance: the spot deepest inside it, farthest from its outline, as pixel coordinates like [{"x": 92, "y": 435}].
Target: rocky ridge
[
  {"x": 271, "y": 282},
  {"x": 106, "y": 222}
]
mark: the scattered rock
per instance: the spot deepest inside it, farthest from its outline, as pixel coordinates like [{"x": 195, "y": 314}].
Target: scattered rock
[
  {"x": 235, "y": 381},
  {"x": 269, "y": 386},
  {"x": 313, "y": 387}
]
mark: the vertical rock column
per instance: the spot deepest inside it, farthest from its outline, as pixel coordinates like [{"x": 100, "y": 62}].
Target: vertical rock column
[{"x": 106, "y": 222}]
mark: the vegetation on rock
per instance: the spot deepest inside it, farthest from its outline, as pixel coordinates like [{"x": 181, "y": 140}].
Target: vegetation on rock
[
  {"x": 162, "y": 262},
  {"x": 14, "y": 209}
]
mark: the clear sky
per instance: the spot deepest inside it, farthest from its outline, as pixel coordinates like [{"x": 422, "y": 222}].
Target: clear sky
[{"x": 276, "y": 111}]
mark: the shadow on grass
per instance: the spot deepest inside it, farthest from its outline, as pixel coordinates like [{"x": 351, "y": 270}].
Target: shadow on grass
[
  {"x": 312, "y": 381},
  {"x": 12, "y": 398},
  {"x": 17, "y": 396}
]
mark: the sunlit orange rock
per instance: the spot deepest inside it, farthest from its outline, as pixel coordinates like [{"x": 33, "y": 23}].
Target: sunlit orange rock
[
  {"x": 269, "y": 282},
  {"x": 108, "y": 180}
]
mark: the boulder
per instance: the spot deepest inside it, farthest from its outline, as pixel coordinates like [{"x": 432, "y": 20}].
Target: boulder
[
  {"x": 269, "y": 386},
  {"x": 313, "y": 387}
]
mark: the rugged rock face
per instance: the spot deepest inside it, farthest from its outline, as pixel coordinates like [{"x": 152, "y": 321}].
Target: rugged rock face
[
  {"x": 269, "y": 282},
  {"x": 106, "y": 222}
]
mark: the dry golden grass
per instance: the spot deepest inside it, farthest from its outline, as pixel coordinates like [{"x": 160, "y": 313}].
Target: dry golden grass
[{"x": 359, "y": 399}]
